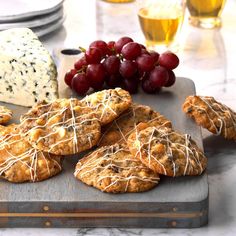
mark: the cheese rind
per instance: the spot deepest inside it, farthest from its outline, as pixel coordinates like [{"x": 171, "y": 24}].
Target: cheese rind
[{"x": 27, "y": 71}]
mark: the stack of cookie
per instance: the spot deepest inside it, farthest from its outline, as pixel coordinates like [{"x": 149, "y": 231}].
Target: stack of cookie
[
  {"x": 134, "y": 144},
  {"x": 33, "y": 150},
  {"x": 140, "y": 145},
  {"x": 135, "y": 148}
]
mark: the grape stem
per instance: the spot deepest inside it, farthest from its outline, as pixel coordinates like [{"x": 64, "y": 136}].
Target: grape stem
[
  {"x": 82, "y": 70},
  {"x": 121, "y": 57},
  {"x": 82, "y": 49}
]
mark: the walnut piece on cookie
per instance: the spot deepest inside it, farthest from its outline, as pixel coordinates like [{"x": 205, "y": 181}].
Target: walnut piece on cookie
[
  {"x": 108, "y": 104},
  {"x": 166, "y": 152},
  {"x": 20, "y": 162},
  {"x": 62, "y": 127},
  {"x": 121, "y": 127},
  {"x": 113, "y": 169},
  {"x": 212, "y": 115},
  {"x": 5, "y": 114}
]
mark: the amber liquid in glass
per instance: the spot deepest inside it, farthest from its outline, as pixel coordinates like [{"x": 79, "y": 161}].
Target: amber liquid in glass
[
  {"x": 159, "y": 28},
  {"x": 205, "y": 12}
]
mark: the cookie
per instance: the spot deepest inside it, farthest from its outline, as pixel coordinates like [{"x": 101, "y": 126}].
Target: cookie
[
  {"x": 62, "y": 127},
  {"x": 167, "y": 152},
  {"x": 120, "y": 128},
  {"x": 113, "y": 169},
  {"x": 5, "y": 115},
  {"x": 212, "y": 115},
  {"x": 108, "y": 104},
  {"x": 20, "y": 162}
]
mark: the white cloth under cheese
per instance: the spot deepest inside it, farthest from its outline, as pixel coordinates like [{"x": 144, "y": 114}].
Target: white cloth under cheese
[{"x": 27, "y": 71}]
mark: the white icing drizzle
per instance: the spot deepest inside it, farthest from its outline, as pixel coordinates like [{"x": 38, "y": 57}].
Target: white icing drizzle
[
  {"x": 28, "y": 155},
  {"x": 104, "y": 105},
  {"x": 75, "y": 141},
  {"x": 123, "y": 131},
  {"x": 94, "y": 164},
  {"x": 187, "y": 142},
  {"x": 222, "y": 129},
  {"x": 163, "y": 136},
  {"x": 72, "y": 125}
]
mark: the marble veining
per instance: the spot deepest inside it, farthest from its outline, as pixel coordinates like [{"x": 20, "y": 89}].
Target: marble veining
[{"x": 208, "y": 58}]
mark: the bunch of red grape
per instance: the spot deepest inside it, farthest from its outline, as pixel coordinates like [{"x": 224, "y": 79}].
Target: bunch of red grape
[{"x": 124, "y": 64}]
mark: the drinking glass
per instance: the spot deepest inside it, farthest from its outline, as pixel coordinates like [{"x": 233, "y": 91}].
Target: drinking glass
[
  {"x": 205, "y": 13},
  {"x": 160, "y": 21}
]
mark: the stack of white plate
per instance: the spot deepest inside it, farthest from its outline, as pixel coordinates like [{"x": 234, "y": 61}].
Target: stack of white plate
[{"x": 42, "y": 16}]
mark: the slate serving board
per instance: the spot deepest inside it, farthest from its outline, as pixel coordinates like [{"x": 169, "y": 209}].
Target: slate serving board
[{"x": 63, "y": 201}]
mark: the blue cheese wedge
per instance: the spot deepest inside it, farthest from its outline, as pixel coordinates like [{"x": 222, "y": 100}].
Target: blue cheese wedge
[{"x": 27, "y": 71}]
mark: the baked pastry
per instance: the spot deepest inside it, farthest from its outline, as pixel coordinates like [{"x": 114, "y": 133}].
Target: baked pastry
[
  {"x": 5, "y": 115},
  {"x": 166, "y": 152},
  {"x": 212, "y": 115},
  {"x": 108, "y": 104},
  {"x": 20, "y": 162},
  {"x": 62, "y": 127},
  {"x": 113, "y": 169},
  {"x": 121, "y": 127}
]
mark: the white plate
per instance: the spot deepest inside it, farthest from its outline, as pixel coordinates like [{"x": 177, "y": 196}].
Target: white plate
[
  {"x": 46, "y": 29},
  {"x": 15, "y": 10},
  {"x": 35, "y": 21}
]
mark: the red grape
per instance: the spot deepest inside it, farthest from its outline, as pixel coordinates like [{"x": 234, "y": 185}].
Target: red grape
[
  {"x": 131, "y": 51},
  {"x": 155, "y": 55},
  {"x": 114, "y": 80},
  {"x": 81, "y": 63},
  {"x": 96, "y": 75},
  {"x": 93, "y": 55},
  {"x": 121, "y": 42},
  {"x": 98, "y": 86},
  {"x": 128, "y": 69},
  {"x": 145, "y": 62},
  {"x": 146, "y": 86},
  {"x": 101, "y": 45},
  {"x": 123, "y": 63},
  {"x": 158, "y": 77},
  {"x": 111, "y": 47},
  {"x": 69, "y": 76},
  {"x": 112, "y": 64},
  {"x": 80, "y": 84},
  {"x": 142, "y": 46},
  {"x": 130, "y": 85},
  {"x": 171, "y": 79},
  {"x": 169, "y": 60},
  {"x": 144, "y": 51}
]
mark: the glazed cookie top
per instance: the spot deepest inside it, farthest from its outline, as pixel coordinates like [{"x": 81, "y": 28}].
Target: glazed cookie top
[
  {"x": 5, "y": 115},
  {"x": 167, "y": 152},
  {"x": 62, "y": 127},
  {"x": 20, "y": 162},
  {"x": 113, "y": 169},
  {"x": 108, "y": 104},
  {"x": 212, "y": 115},
  {"x": 120, "y": 128}
]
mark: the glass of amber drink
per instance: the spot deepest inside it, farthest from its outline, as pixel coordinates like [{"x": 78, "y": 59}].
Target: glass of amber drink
[
  {"x": 205, "y": 13},
  {"x": 161, "y": 21}
]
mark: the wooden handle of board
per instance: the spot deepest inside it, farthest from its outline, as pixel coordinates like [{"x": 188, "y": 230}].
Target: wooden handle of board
[{"x": 65, "y": 59}]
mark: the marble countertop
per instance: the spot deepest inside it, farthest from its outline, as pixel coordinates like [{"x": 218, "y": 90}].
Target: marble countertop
[{"x": 208, "y": 58}]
